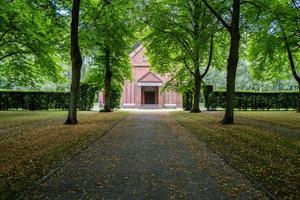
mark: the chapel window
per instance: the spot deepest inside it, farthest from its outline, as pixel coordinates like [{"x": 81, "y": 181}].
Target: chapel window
[{"x": 144, "y": 59}]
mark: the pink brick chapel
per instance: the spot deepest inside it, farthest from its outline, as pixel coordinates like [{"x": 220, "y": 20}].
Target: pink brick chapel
[{"x": 145, "y": 88}]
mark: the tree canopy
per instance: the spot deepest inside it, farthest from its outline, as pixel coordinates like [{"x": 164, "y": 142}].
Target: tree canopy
[
  {"x": 231, "y": 44},
  {"x": 29, "y": 38}
]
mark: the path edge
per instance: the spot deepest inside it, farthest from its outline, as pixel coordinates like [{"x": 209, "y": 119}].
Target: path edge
[
  {"x": 255, "y": 183},
  {"x": 27, "y": 191}
]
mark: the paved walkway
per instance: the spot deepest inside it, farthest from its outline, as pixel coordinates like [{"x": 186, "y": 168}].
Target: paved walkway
[{"x": 147, "y": 156}]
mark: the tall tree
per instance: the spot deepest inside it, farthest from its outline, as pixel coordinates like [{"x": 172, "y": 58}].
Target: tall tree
[
  {"x": 274, "y": 46},
  {"x": 107, "y": 82},
  {"x": 232, "y": 62},
  {"x": 76, "y": 64},
  {"x": 180, "y": 34},
  {"x": 110, "y": 30}
]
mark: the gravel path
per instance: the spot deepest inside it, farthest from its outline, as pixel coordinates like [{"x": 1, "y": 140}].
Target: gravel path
[{"x": 147, "y": 156}]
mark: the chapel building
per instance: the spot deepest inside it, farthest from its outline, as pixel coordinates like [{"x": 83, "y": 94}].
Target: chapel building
[{"x": 145, "y": 88}]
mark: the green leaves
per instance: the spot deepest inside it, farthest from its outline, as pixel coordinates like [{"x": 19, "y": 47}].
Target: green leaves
[
  {"x": 178, "y": 39},
  {"x": 266, "y": 49},
  {"x": 109, "y": 26},
  {"x": 28, "y": 45}
]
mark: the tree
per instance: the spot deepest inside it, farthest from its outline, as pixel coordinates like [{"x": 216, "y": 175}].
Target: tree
[
  {"x": 231, "y": 11},
  {"x": 180, "y": 34},
  {"x": 28, "y": 44},
  {"x": 109, "y": 35},
  {"x": 232, "y": 62},
  {"x": 274, "y": 46},
  {"x": 76, "y": 64},
  {"x": 107, "y": 82}
]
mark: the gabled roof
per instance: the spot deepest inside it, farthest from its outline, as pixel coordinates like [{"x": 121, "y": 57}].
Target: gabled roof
[
  {"x": 137, "y": 50},
  {"x": 150, "y": 77}
]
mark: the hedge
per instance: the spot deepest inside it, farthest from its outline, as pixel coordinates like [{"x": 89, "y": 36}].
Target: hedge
[
  {"x": 115, "y": 97},
  {"x": 187, "y": 100},
  {"x": 43, "y": 100},
  {"x": 245, "y": 100}
]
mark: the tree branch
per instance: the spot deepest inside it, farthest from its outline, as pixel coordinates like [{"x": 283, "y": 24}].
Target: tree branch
[
  {"x": 14, "y": 53},
  {"x": 5, "y": 32},
  {"x": 250, "y": 2},
  {"x": 187, "y": 66},
  {"x": 210, "y": 57},
  {"x": 182, "y": 41},
  {"x": 180, "y": 26},
  {"x": 220, "y": 18},
  {"x": 290, "y": 56},
  {"x": 100, "y": 11},
  {"x": 289, "y": 52}
]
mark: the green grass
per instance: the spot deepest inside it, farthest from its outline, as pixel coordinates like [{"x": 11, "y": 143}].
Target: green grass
[
  {"x": 253, "y": 145},
  {"x": 32, "y": 143},
  {"x": 288, "y": 119}
]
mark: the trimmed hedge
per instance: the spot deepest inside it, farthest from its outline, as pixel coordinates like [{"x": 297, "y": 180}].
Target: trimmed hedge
[
  {"x": 115, "y": 97},
  {"x": 246, "y": 100},
  {"x": 187, "y": 100},
  {"x": 42, "y": 100}
]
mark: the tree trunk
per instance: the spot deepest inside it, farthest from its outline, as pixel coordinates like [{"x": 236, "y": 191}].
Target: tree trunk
[
  {"x": 298, "y": 105},
  {"x": 76, "y": 65},
  {"x": 191, "y": 101},
  {"x": 108, "y": 75},
  {"x": 196, "y": 55},
  {"x": 293, "y": 66},
  {"x": 232, "y": 63},
  {"x": 197, "y": 88}
]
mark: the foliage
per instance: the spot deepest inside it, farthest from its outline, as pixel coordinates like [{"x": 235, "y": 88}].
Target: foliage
[
  {"x": 252, "y": 100},
  {"x": 38, "y": 100},
  {"x": 87, "y": 95},
  {"x": 207, "y": 90},
  {"x": 116, "y": 92},
  {"x": 266, "y": 48},
  {"x": 179, "y": 41},
  {"x": 246, "y": 81},
  {"x": 187, "y": 100},
  {"x": 29, "y": 38},
  {"x": 109, "y": 27}
]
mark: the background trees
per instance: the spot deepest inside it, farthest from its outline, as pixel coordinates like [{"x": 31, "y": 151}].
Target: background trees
[
  {"x": 180, "y": 36},
  {"x": 274, "y": 46},
  {"x": 108, "y": 37},
  {"x": 28, "y": 44},
  {"x": 34, "y": 43}
]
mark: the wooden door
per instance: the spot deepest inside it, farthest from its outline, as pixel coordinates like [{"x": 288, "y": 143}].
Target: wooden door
[{"x": 149, "y": 97}]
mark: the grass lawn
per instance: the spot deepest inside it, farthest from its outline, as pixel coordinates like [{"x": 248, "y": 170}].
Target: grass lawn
[
  {"x": 32, "y": 143},
  {"x": 263, "y": 145}
]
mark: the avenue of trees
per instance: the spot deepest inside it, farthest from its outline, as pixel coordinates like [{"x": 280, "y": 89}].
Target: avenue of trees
[
  {"x": 266, "y": 31},
  {"x": 41, "y": 39}
]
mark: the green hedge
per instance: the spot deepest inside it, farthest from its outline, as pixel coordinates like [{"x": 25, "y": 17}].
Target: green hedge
[
  {"x": 37, "y": 100},
  {"x": 187, "y": 100},
  {"x": 246, "y": 100},
  {"x": 115, "y": 97}
]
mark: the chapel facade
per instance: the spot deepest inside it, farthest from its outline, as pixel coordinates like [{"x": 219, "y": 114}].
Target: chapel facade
[{"x": 145, "y": 88}]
